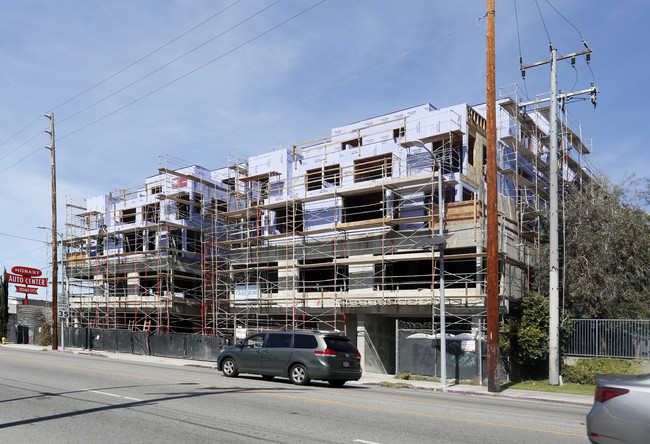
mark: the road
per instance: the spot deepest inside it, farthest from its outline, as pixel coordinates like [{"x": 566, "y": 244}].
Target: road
[{"x": 57, "y": 397}]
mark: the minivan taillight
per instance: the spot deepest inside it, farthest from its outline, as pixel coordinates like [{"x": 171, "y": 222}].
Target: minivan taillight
[
  {"x": 327, "y": 352},
  {"x": 606, "y": 393}
]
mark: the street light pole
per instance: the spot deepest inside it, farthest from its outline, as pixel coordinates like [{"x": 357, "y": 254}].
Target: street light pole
[{"x": 55, "y": 264}]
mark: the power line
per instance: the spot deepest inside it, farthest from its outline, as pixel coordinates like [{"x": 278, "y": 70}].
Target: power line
[
  {"x": 24, "y": 238},
  {"x": 543, "y": 22},
  {"x": 195, "y": 69},
  {"x": 168, "y": 63},
  {"x": 519, "y": 44},
  {"x": 566, "y": 19},
  {"x": 110, "y": 77},
  {"x": 6, "y": 259},
  {"x": 348, "y": 80},
  {"x": 12, "y": 137},
  {"x": 24, "y": 158},
  {"x": 144, "y": 57},
  {"x": 23, "y": 144},
  {"x": 593, "y": 76},
  {"x": 171, "y": 82}
]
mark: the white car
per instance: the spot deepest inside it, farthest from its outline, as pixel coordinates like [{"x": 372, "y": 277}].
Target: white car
[{"x": 621, "y": 411}]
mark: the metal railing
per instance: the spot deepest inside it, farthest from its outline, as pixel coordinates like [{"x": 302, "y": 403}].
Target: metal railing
[{"x": 613, "y": 338}]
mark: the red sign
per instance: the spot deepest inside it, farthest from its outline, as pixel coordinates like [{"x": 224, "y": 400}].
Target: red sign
[
  {"x": 179, "y": 182},
  {"x": 24, "y": 280},
  {"x": 26, "y": 290},
  {"x": 26, "y": 271}
]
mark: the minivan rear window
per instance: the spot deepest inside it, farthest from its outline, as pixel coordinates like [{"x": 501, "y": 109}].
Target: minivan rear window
[
  {"x": 304, "y": 341},
  {"x": 340, "y": 344}
]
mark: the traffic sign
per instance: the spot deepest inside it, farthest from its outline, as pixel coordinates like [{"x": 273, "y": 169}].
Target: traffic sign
[{"x": 62, "y": 306}]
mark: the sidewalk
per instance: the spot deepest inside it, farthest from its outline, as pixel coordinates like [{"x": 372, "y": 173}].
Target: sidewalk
[
  {"x": 467, "y": 389},
  {"x": 366, "y": 379}
]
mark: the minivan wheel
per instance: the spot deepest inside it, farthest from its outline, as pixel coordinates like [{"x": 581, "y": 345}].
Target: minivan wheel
[
  {"x": 229, "y": 367},
  {"x": 336, "y": 382},
  {"x": 298, "y": 375}
]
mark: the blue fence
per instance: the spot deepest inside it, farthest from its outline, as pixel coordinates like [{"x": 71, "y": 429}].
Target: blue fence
[{"x": 611, "y": 338}]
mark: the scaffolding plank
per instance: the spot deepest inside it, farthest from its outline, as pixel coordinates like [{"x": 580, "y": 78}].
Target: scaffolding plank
[{"x": 192, "y": 178}]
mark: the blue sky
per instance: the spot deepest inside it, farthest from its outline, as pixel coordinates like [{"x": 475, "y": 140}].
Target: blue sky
[{"x": 264, "y": 74}]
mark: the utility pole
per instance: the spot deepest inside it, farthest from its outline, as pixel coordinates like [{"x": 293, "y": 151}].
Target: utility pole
[
  {"x": 492, "y": 211},
  {"x": 554, "y": 261},
  {"x": 55, "y": 261},
  {"x": 554, "y": 267}
]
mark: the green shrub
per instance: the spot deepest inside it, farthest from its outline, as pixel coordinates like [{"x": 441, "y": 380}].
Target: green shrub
[
  {"x": 586, "y": 370},
  {"x": 44, "y": 337},
  {"x": 524, "y": 339},
  {"x": 404, "y": 375}
]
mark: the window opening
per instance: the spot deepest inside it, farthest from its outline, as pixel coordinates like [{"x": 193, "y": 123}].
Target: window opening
[
  {"x": 324, "y": 278},
  {"x": 175, "y": 241},
  {"x": 363, "y": 207},
  {"x": 352, "y": 143},
  {"x": 467, "y": 194},
  {"x": 289, "y": 219},
  {"x": 152, "y": 213},
  {"x": 128, "y": 216},
  {"x": 182, "y": 208},
  {"x": 318, "y": 178},
  {"x": 471, "y": 142},
  {"x": 371, "y": 168}
]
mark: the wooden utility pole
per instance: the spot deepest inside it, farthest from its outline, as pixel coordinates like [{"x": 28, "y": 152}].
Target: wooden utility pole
[
  {"x": 492, "y": 209},
  {"x": 55, "y": 261}
]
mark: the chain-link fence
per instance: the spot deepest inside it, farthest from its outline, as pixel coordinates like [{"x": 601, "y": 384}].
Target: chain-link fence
[{"x": 418, "y": 353}]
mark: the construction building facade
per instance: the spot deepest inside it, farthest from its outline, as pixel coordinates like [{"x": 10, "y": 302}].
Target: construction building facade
[{"x": 330, "y": 234}]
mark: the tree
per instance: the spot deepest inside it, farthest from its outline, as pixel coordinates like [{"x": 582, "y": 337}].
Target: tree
[
  {"x": 607, "y": 250},
  {"x": 4, "y": 304},
  {"x": 526, "y": 337}
]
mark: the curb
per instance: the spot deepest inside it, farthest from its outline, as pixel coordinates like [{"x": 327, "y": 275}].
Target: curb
[{"x": 477, "y": 393}]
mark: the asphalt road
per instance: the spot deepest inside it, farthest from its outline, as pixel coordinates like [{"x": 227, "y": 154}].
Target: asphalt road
[{"x": 59, "y": 397}]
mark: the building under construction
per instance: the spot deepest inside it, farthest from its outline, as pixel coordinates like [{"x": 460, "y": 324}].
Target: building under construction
[{"x": 340, "y": 232}]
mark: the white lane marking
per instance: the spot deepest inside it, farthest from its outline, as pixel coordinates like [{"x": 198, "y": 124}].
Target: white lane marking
[
  {"x": 365, "y": 442},
  {"x": 112, "y": 394},
  {"x": 104, "y": 393}
]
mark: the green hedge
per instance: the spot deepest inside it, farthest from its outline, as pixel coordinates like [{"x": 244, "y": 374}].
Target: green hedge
[{"x": 586, "y": 370}]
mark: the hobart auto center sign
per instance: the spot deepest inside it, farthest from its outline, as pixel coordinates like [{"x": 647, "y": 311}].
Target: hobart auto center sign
[{"x": 24, "y": 276}]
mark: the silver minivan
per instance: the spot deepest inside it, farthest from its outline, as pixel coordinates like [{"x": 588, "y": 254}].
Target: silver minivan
[{"x": 301, "y": 356}]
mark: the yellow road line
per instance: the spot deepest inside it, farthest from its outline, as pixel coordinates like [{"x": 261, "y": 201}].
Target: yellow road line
[
  {"x": 429, "y": 415},
  {"x": 303, "y": 398}
]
